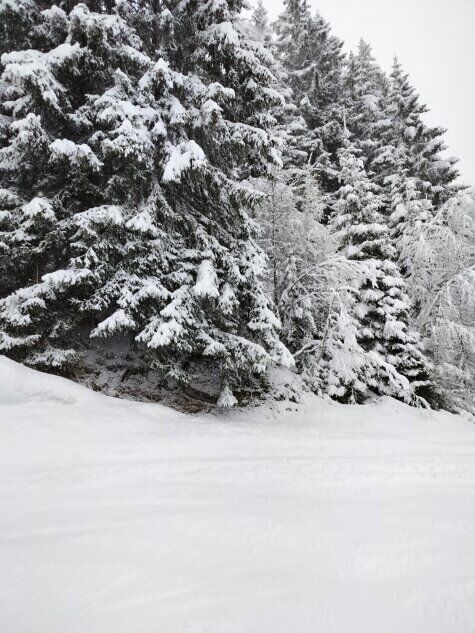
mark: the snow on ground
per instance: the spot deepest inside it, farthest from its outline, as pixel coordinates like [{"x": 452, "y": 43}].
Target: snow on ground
[{"x": 121, "y": 517}]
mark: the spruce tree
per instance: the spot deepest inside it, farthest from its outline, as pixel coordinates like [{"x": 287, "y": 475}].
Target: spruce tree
[
  {"x": 410, "y": 210},
  {"x": 419, "y": 148},
  {"x": 122, "y": 165},
  {"x": 365, "y": 87},
  {"x": 383, "y": 306},
  {"x": 417, "y": 178},
  {"x": 17, "y": 23},
  {"x": 313, "y": 59},
  {"x": 341, "y": 367},
  {"x": 260, "y": 19}
]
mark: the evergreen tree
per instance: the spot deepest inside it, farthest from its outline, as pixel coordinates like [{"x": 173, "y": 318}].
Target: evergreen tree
[
  {"x": 383, "y": 305},
  {"x": 410, "y": 210},
  {"x": 417, "y": 148},
  {"x": 260, "y": 19},
  {"x": 17, "y": 21},
  {"x": 365, "y": 87},
  {"x": 123, "y": 168},
  {"x": 410, "y": 165},
  {"x": 342, "y": 368},
  {"x": 313, "y": 59},
  {"x": 420, "y": 187}
]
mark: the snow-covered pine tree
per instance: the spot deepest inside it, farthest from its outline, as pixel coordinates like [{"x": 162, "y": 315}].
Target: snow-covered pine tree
[
  {"x": 292, "y": 32},
  {"x": 340, "y": 367},
  {"x": 34, "y": 111},
  {"x": 313, "y": 60},
  {"x": 410, "y": 210},
  {"x": 323, "y": 104},
  {"x": 296, "y": 13},
  {"x": 426, "y": 229},
  {"x": 130, "y": 184},
  {"x": 260, "y": 19},
  {"x": 239, "y": 147},
  {"x": 365, "y": 88},
  {"x": 409, "y": 163},
  {"x": 418, "y": 148},
  {"x": 397, "y": 366},
  {"x": 17, "y": 22}
]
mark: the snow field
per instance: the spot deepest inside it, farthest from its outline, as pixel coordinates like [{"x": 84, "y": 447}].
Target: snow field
[{"x": 120, "y": 517}]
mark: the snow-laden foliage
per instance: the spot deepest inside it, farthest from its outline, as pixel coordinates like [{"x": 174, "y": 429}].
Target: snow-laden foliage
[
  {"x": 382, "y": 305},
  {"x": 365, "y": 86},
  {"x": 313, "y": 61},
  {"x": 179, "y": 175},
  {"x": 123, "y": 208},
  {"x": 313, "y": 287},
  {"x": 440, "y": 260},
  {"x": 408, "y": 146},
  {"x": 260, "y": 21},
  {"x": 297, "y": 245}
]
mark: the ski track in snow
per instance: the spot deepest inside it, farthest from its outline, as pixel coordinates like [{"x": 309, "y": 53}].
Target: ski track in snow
[{"x": 121, "y": 517}]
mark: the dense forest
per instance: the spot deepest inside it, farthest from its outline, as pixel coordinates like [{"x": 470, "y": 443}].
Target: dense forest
[{"x": 207, "y": 196}]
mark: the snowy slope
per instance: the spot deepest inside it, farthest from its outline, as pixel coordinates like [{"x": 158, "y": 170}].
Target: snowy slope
[{"x": 121, "y": 517}]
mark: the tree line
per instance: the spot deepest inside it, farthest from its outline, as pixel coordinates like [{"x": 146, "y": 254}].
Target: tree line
[{"x": 221, "y": 190}]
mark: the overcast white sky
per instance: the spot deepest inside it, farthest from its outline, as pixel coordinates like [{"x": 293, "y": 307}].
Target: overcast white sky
[{"x": 435, "y": 41}]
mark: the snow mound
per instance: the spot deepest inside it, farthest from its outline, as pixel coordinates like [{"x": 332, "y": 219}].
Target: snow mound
[{"x": 21, "y": 385}]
